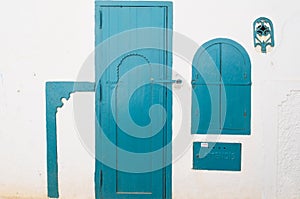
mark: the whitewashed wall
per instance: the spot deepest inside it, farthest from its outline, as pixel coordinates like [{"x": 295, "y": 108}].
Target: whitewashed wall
[{"x": 50, "y": 40}]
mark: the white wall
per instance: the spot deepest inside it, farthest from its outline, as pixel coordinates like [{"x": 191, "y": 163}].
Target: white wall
[{"x": 50, "y": 40}]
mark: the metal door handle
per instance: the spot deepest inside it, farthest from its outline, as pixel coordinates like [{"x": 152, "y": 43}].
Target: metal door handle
[{"x": 172, "y": 81}]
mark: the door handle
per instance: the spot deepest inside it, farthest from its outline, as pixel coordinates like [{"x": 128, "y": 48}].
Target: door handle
[{"x": 171, "y": 81}]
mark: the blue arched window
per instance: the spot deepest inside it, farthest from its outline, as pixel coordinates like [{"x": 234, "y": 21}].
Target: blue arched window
[{"x": 221, "y": 81}]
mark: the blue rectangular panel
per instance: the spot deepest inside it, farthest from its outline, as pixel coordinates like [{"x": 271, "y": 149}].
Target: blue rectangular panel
[{"x": 217, "y": 156}]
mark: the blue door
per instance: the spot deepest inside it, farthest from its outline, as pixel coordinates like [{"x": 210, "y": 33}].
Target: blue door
[{"x": 133, "y": 110}]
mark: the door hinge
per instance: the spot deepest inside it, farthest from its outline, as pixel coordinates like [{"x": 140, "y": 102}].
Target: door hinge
[
  {"x": 100, "y": 92},
  {"x": 101, "y": 179},
  {"x": 100, "y": 21}
]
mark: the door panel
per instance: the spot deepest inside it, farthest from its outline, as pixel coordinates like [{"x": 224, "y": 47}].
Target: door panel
[
  {"x": 131, "y": 140},
  {"x": 237, "y": 117},
  {"x": 126, "y": 104},
  {"x": 206, "y": 78},
  {"x": 235, "y": 69},
  {"x": 207, "y": 110},
  {"x": 237, "y": 80},
  {"x": 207, "y": 65}
]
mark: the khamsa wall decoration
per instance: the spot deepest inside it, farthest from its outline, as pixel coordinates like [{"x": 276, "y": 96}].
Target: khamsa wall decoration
[{"x": 263, "y": 31}]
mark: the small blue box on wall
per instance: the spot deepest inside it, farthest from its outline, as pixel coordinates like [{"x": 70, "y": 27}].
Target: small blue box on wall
[{"x": 217, "y": 156}]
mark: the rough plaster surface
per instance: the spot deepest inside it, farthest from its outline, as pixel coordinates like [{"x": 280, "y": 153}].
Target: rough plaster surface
[{"x": 288, "y": 173}]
